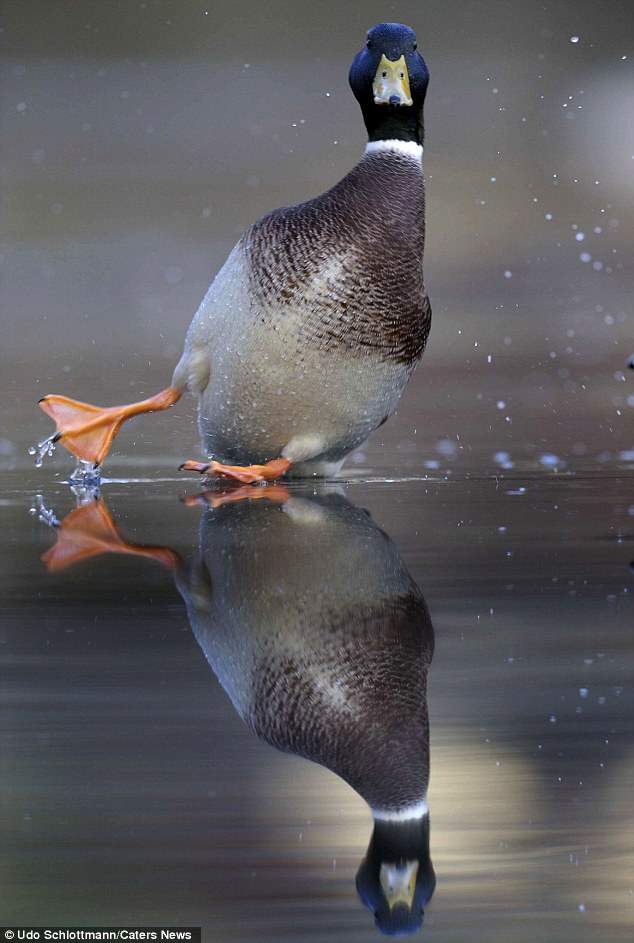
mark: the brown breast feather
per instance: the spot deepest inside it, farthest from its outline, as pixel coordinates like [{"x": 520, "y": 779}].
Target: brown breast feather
[{"x": 373, "y": 223}]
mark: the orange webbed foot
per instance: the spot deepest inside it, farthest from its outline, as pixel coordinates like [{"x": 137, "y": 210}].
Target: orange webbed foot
[
  {"x": 89, "y": 531},
  {"x": 87, "y": 431},
  {"x": 278, "y": 494},
  {"x": 246, "y": 474}
]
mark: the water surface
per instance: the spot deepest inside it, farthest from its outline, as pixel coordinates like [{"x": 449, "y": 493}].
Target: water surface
[{"x": 134, "y": 793}]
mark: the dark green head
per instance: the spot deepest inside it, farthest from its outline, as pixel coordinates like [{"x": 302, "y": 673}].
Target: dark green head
[
  {"x": 396, "y": 879},
  {"x": 389, "y": 79}
]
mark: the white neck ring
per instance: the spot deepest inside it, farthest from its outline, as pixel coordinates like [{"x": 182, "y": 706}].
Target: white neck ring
[
  {"x": 408, "y": 148},
  {"x": 408, "y": 814}
]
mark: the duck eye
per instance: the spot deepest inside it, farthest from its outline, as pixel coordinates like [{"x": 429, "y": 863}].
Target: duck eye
[
  {"x": 402, "y": 75},
  {"x": 369, "y": 43},
  {"x": 384, "y": 74},
  {"x": 415, "y": 46}
]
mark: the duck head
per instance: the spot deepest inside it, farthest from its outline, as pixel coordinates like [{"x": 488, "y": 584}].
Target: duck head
[
  {"x": 389, "y": 80},
  {"x": 396, "y": 879}
]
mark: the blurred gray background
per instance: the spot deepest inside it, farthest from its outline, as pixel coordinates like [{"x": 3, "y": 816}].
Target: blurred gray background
[{"x": 140, "y": 139}]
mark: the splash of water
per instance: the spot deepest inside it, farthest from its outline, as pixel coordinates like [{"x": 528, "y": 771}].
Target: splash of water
[
  {"x": 44, "y": 514},
  {"x": 86, "y": 473},
  {"x": 43, "y": 449},
  {"x": 86, "y": 492}
]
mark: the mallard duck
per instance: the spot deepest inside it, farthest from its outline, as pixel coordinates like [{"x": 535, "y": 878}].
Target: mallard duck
[
  {"x": 313, "y": 625},
  {"x": 320, "y": 637},
  {"x": 310, "y": 331}
]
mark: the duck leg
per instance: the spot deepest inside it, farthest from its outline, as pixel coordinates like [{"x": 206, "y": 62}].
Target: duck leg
[
  {"x": 247, "y": 474},
  {"x": 87, "y": 431}
]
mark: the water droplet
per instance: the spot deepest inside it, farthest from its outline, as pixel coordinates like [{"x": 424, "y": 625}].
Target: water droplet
[
  {"x": 43, "y": 449},
  {"x": 447, "y": 447}
]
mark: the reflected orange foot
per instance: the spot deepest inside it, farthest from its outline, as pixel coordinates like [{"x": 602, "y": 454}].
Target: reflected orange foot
[
  {"x": 89, "y": 531},
  {"x": 87, "y": 431},
  {"x": 279, "y": 494},
  {"x": 246, "y": 474}
]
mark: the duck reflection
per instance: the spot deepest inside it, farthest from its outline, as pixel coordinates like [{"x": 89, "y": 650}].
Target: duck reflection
[{"x": 311, "y": 622}]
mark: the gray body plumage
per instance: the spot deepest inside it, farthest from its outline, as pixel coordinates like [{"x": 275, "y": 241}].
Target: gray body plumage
[
  {"x": 320, "y": 637},
  {"x": 309, "y": 333}
]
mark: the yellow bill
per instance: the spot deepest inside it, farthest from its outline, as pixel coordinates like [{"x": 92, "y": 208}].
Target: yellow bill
[
  {"x": 391, "y": 83},
  {"x": 399, "y": 883}
]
